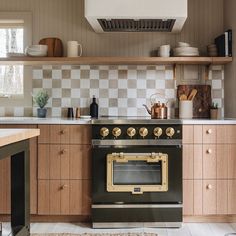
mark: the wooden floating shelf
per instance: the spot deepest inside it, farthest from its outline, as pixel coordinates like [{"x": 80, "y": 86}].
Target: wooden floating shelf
[{"x": 116, "y": 60}]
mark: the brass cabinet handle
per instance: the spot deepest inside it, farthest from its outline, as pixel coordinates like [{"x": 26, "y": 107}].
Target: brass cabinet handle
[
  {"x": 209, "y": 131},
  {"x": 209, "y": 186},
  {"x": 63, "y": 151},
  {"x": 209, "y": 151},
  {"x": 63, "y": 186},
  {"x": 62, "y": 132}
]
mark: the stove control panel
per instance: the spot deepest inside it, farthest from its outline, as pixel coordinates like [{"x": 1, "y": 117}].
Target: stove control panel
[{"x": 136, "y": 132}]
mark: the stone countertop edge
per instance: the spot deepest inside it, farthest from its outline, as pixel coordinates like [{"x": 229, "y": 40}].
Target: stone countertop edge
[{"x": 65, "y": 121}]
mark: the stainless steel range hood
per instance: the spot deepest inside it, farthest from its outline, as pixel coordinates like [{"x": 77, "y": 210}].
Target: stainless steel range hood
[{"x": 136, "y": 15}]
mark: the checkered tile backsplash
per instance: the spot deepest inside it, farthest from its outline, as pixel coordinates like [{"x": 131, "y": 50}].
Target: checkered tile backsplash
[{"x": 120, "y": 90}]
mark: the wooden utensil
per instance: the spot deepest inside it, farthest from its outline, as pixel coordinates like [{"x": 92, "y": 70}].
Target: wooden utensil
[
  {"x": 183, "y": 97},
  {"x": 55, "y": 46},
  {"x": 192, "y": 95}
]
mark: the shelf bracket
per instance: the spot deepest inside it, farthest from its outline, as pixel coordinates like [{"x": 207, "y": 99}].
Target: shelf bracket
[
  {"x": 174, "y": 71},
  {"x": 207, "y": 71}
]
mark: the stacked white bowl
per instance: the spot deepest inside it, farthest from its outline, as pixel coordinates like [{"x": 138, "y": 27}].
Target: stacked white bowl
[
  {"x": 37, "y": 50},
  {"x": 185, "y": 50}
]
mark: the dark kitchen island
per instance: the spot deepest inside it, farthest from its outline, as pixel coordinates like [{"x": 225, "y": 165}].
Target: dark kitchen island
[{"x": 15, "y": 143}]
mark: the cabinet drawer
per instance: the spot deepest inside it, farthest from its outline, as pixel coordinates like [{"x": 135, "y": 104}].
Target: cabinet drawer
[
  {"x": 209, "y": 134},
  {"x": 226, "y": 134},
  {"x": 231, "y": 197},
  {"x": 64, "y": 161},
  {"x": 65, "y": 134},
  {"x": 209, "y": 161},
  {"x": 187, "y": 134},
  {"x": 188, "y": 197},
  {"x": 64, "y": 197},
  {"x": 209, "y": 197}
]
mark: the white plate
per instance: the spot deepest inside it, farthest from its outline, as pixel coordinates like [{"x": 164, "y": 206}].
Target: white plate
[{"x": 85, "y": 117}]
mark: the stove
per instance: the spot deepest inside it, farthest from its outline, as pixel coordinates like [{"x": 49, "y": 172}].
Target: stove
[{"x": 137, "y": 173}]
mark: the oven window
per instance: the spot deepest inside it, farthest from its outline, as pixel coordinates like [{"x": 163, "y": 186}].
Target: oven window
[{"x": 137, "y": 173}]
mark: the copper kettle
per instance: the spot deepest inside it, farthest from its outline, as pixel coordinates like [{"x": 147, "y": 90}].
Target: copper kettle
[{"x": 158, "y": 110}]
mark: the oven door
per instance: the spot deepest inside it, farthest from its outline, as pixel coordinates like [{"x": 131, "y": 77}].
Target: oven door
[{"x": 137, "y": 174}]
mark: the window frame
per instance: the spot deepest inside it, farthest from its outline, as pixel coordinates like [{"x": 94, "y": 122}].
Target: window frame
[{"x": 24, "y": 20}]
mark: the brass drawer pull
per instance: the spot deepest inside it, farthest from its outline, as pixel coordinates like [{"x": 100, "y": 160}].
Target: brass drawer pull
[
  {"x": 209, "y": 186},
  {"x": 62, "y": 132},
  {"x": 209, "y": 151},
  {"x": 209, "y": 131},
  {"x": 63, "y": 186},
  {"x": 63, "y": 151}
]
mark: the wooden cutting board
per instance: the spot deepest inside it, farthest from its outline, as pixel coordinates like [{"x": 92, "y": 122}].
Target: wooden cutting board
[
  {"x": 202, "y": 101},
  {"x": 55, "y": 46}
]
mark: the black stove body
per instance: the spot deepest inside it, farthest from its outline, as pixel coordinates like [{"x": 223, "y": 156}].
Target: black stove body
[{"x": 137, "y": 175}]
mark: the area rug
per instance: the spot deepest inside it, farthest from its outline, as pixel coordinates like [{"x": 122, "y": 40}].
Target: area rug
[{"x": 97, "y": 234}]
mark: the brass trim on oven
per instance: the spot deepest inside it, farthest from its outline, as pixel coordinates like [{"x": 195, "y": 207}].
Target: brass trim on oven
[{"x": 137, "y": 189}]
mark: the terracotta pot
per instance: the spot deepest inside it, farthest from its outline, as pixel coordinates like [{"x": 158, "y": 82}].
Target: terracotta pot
[{"x": 214, "y": 114}]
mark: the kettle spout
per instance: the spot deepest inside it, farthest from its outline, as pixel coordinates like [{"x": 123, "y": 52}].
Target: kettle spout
[{"x": 148, "y": 110}]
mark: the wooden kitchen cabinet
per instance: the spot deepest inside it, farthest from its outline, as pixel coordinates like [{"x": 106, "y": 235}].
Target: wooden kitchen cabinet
[
  {"x": 64, "y": 197},
  {"x": 5, "y": 185},
  {"x": 210, "y": 154},
  {"x": 64, "y": 175},
  {"x": 64, "y": 161}
]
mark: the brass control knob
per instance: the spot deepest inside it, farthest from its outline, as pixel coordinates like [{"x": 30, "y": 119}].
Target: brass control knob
[
  {"x": 131, "y": 132},
  {"x": 170, "y": 132},
  {"x": 104, "y": 132},
  {"x": 143, "y": 132},
  {"x": 116, "y": 132},
  {"x": 157, "y": 132}
]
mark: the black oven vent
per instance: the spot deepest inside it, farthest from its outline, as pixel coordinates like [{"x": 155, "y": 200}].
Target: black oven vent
[{"x": 142, "y": 25}]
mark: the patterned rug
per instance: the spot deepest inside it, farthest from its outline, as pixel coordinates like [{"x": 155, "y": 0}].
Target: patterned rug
[{"x": 98, "y": 234}]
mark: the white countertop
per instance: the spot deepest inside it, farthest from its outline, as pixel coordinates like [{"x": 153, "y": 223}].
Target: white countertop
[
  {"x": 9, "y": 136},
  {"x": 35, "y": 120}
]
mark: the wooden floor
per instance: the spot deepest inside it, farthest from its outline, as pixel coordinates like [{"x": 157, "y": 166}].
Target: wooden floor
[{"x": 188, "y": 229}]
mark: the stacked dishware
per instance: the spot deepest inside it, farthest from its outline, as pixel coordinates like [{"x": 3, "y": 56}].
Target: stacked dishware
[
  {"x": 185, "y": 50},
  {"x": 212, "y": 50},
  {"x": 37, "y": 50}
]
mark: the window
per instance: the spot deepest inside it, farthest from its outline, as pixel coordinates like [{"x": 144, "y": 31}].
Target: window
[
  {"x": 15, "y": 80},
  {"x": 11, "y": 77}
]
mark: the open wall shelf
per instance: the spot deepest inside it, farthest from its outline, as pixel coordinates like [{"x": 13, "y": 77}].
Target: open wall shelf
[{"x": 116, "y": 60}]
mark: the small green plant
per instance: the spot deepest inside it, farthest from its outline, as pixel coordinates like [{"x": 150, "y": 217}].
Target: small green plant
[
  {"x": 214, "y": 106},
  {"x": 41, "y": 98}
]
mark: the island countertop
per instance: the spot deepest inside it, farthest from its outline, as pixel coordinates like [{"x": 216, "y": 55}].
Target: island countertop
[{"x": 9, "y": 136}]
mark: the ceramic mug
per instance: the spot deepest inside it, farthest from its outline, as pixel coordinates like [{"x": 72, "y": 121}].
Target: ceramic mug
[
  {"x": 164, "y": 51},
  {"x": 74, "y": 49}
]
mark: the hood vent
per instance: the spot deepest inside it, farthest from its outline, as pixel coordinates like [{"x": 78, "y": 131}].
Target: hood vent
[
  {"x": 108, "y": 16},
  {"x": 143, "y": 25}
]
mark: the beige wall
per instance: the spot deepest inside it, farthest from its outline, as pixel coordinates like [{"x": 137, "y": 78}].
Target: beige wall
[
  {"x": 230, "y": 69},
  {"x": 64, "y": 19}
]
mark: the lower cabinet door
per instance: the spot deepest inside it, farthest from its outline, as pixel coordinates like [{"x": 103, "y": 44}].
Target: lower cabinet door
[
  {"x": 188, "y": 197},
  {"x": 64, "y": 197},
  {"x": 231, "y": 197},
  {"x": 209, "y": 197}
]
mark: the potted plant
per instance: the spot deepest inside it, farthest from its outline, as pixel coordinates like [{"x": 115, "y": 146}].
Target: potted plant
[
  {"x": 41, "y": 99},
  {"x": 214, "y": 111}
]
